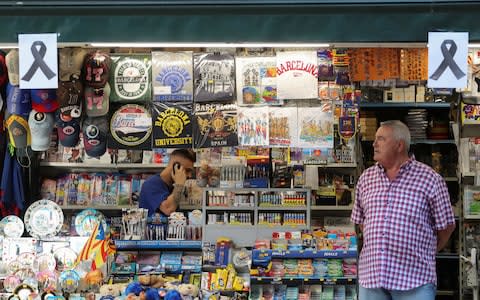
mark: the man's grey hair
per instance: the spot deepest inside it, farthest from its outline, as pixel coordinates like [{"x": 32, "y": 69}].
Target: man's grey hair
[{"x": 400, "y": 131}]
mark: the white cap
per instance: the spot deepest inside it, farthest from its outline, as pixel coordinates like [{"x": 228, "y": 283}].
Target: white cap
[{"x": 41, "y": 127}]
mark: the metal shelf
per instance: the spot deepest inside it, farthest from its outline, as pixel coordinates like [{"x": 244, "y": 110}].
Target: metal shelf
[
  {"x": 101, "y": 166},
  {"x": 309, "y": 253},
  {"x": 447, "y": 256},
  {"x": 296, "y": 280},
  {"x": 282, "y": 208},
  {"x": 159, "y": 245},
  {"x": 331, "y": 207},
  {"x": 438, "y": 105},
  {"x": 230, "y": 208}
]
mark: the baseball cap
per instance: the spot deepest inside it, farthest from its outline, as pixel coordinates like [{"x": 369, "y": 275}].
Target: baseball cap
[
  {"x": 96, "y": 69},
  {"x": 12, "y": 66},
  {"x": 68, "y": 129},
  {"x": 3, "y": 70},
  {"x": 44, "y": 100},
  {"x": 18, "y": 101},
  {"x": 18, "y": 131},
  {"x": 96, "y": 101},
  {"x": 95, "y": 132},
  {"x": 41, "y": 126},
  {"x": 69, "y": 96},
  {"x": 70, "y": 62}
]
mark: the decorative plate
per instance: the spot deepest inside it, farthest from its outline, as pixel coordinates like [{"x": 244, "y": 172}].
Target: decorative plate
[
  {"x": 43, "y": 219},
  {"x": 69, "y": 280},
  {"x": 12, "y": 226},
  {"x": 65, "y": 258},
  {"x": 26, "y": 259},
  {"x": 44, "y": 262},
  {"x": 87, "y": 219},
  {"x": 23, "y": 291}
]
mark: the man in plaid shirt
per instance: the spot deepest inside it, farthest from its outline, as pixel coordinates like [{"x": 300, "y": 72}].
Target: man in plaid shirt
[{"x": 403, "y": 208}]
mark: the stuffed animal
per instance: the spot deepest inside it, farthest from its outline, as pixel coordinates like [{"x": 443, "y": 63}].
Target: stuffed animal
[
  {"x": 188, "y": 291},
  {"x": 173, "y": 295},
  {"x": 151, "y": 280},
  {"x": 115, "y": 289}
]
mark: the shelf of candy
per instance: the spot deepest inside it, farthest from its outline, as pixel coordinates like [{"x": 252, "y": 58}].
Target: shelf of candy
[
  {"x": 229, "y": 199},
  {"x": 305, "y": 292},
  {"x": 318, "y": 256},
  {"x": 225, "y": 269},
  {"x": 283, "y": 199},
  {"x": 175, "y": 232}
]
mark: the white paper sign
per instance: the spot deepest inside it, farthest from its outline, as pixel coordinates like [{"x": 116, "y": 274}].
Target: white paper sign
[
  {"x": 297, "y": 75},
  {"x": 38, "y": 65},
  {"x": 447, "y": 59}
]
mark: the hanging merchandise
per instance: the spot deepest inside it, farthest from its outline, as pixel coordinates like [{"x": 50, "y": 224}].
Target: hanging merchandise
[
  {"x": 414, "y": 64},
  {"x": 214, "y": 75},
  {"x": 315, "y": 125},
  {"x": 172, "y": 74},
  {"x": 282, "y": 126},
  {"x": 172, "y": 125},
  {"x": 68, "y": 129},
  {"x": 374, "y": 64},
  {"x": 253, "y": 126},
  {"x": 215, "y": 125},
  {"x": 257, "y": 80},
  {"x": 41, "y": 127},
  {"x": 70, "y": 61},
  {"x": 96, "y": 69},
  {"x": 325, "y": 65},
  {"x": 95, "y": 131},
  {"x": 130, "y": 128},
  {"x": 130, "y": 79},
  {"x": 69, "y": 96},
  {"x": 297, "y": 75},
  {"x": 97, "y": 101}
]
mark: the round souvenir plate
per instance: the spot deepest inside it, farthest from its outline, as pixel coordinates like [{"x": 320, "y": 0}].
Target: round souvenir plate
[
  {"x": 43, "y": 219},
  {"x": 26, "y": 259},
  {"x": 12, "y": 226},
  {"x": 65, "y": 258},
  {"x": 87, "y": 219},
  {"x": 45, "y": 262},
  {"x": 69, "y": 280}
]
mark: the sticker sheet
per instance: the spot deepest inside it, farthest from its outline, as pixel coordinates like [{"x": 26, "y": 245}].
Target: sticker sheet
[
  {"x": 257, "y": 80},
  {"x": 130, "y": 78},
  {"x": 214, "y": 76},
  {"x": 297, "y": 75},
  {"x": 253, "y": 126},
  {"x": 172, "y": 125},
  {"x": 315, "y": 125},
  {"x": 283, "y": 126},
  {"x": 172, "y": 74},
  {"x": 215, "y": 125}
]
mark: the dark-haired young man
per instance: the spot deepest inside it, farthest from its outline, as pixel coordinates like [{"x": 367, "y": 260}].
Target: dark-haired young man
[{"x": 163, "y": 192}]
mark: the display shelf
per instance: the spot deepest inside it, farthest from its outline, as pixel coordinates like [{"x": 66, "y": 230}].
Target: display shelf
[
  {"x": 119, "y": 166},
  {"x": 331, "y": 207},
  {"x": 447, "y": 256},
  {"x": 446, "y": 293},
  {"x": 297, "y": 280},
  {"x": 433, "y": 142},
  {"x": 437, "y": 105},
  {"x": 223, "y": 208},
  {"x": 158, "y": 245},
  {"x": 281, "y": 208},
  {"x": 309, "y": 253},
  {"x": 98, "y": 207}
]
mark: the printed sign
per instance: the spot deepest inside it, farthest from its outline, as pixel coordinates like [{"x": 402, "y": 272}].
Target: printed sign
[
  {"x": 215, "y": 125},
  {"x": 172, "y": 76},
  {"x": 447, "y": 59},
  {"x": 130, "y": 128},
  {"x": 131, "y": 79},
  {"x": 172, "y": 125},
  {"x": 38, "y": 65}
]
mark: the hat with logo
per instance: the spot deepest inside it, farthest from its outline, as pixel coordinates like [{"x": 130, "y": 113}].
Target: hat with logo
[
  {"x": 69, "y": 96},
  {"x": 95, "y": 132},
  {"x": 68, "y": 129},
  {"x": 12, "y": 66},
  {"x": 70, "y": 62},
  {"x": 41, "y": 127},
  {"x": 96, "y": 69},
  {"x": 97, "y": 101},
  {"x": 18, "y": 131},
  {"x": 3, "y": 70},
  {"x": 44, "y": 100},
  {"x": 18, "y": 101}
]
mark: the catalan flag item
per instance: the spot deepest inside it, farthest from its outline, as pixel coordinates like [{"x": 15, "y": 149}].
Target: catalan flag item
[{"x": 97, "y": 248}]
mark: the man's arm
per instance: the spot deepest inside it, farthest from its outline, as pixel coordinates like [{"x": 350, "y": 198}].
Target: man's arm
[
  {"x": 443, "y": 236},
  {"x": 170, "y": 204}
]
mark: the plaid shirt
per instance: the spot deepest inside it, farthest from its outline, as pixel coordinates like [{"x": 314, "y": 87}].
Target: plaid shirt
[{"x": 400, "y": 219}]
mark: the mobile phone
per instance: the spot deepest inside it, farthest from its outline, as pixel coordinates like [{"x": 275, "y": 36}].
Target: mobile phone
[{"x": 176, "y": 165}]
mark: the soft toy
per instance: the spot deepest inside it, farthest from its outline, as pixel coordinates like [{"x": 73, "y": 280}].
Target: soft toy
[
  {"x": 188, "y": 291},
  {"x": 151, "y": 294},
  {"x": 94, "y": 277},
  {"x": 133, "y": 288},
  {"x": 173, "y": 295},
  {"x": 115, "y": 289},
  {"x": 151, "y": 280}
]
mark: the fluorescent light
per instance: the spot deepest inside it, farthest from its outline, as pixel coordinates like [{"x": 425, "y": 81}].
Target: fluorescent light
[
  {"x": 8, "y": 46},
  {"x": 474, "y": 45},
  {"x": 211, "y": 45}
]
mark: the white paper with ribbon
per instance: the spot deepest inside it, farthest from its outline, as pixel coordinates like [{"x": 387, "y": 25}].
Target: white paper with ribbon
[
  {"x": 447, "y": 59},
  {"x": 38, "y": 65}
]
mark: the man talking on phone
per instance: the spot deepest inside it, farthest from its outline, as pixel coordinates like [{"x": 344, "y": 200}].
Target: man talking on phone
[{"x": 162, "y": 193}]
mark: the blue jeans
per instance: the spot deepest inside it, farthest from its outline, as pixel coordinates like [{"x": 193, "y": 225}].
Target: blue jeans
[{"x": 424, "y": 292}]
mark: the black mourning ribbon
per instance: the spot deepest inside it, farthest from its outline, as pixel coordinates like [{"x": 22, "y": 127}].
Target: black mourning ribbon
[
  {"x": 448, "y": 61},
  {"x": 38, "y": 55}
]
